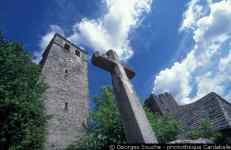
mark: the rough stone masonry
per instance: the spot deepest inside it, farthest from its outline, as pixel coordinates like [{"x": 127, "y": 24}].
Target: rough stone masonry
[
  {"x": 136, "y": 124},
  {"x": 64, "y": 68},
  {"x": 211, "y": 107}
]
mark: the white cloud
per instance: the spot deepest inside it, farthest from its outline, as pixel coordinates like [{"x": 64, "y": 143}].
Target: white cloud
[
  {"x": 176, "y": 79},
  {"x": 225, "y": 63},
  {"x": 110, "y": 31},
  {"x": 45, "y": 41},
  {"x": 194, "y": 11},
  {"x": 207, "y": 83},
  {"x": 206, "y": 67}
]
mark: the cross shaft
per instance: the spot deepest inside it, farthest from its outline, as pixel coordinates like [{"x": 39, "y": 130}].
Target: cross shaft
[{"x": 135, "y": 122}]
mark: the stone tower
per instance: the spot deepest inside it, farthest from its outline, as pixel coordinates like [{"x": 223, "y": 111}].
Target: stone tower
[
  {"x": 162, "y": 104},
  {"x": 65, "y": 70}
]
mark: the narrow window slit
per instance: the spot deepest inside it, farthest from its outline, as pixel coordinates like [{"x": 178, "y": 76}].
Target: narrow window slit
[
  {"x": 66, "y": 71},
  {"x": 66, "y": 106}
]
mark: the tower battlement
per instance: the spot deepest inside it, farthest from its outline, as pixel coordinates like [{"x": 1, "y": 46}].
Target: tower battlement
[{"x": 62, "y": 42}]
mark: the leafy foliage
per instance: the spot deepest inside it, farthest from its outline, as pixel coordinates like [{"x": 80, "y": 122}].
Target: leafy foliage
[
  {"x": 21, "y": 105},
  {"x": 105, "y": 126},
  {"x": 166, "y": 127},
  {"x": 205, "y": 130}
]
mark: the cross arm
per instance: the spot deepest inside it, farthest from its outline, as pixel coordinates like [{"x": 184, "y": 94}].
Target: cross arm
[{"x": 108, "y": 64}]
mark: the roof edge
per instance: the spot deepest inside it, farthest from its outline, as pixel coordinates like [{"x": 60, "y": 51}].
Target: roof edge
[
  {"x": 59, "y": 35},
  {"x": 47, "y": 49}
]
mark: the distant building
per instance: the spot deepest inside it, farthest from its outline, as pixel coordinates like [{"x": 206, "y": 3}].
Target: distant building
[
  {"x": 65, "y": 70},
  {"x": 211, "y": 107}
]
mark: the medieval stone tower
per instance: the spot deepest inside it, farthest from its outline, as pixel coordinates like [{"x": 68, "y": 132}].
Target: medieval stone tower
[{"x": 64, "y": 68}]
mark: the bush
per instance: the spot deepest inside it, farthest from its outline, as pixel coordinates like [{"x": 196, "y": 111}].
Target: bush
[
  {"x": 21, "y": 105},
  {"x": 105, "y": 126},
  {"x": 205, "y": 130},
  {"x": 166, "y": 127}
]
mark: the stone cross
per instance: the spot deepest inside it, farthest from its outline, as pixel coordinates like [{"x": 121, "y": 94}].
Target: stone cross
[{"x": 135, "y": 122}]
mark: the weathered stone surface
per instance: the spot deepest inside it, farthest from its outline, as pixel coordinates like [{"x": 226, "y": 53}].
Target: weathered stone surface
[
  {"x": 65, "y": 72},
  {"x": 109, "y": 64},
  {"x": 162, "y": 104},
  {"x": 211, "y": 107},
  {"x": 197, "y": 141},
  {"x": 136, "y": 124}
]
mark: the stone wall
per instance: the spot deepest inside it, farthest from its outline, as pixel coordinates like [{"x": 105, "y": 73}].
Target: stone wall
[
  {"x": 65, "y": 70},
  {"x": 211, "y": 107},
  {"x": 163, "y": 103}
]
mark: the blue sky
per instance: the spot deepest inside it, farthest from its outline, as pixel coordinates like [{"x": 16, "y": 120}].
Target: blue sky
[{"x": 181, "y": 47}]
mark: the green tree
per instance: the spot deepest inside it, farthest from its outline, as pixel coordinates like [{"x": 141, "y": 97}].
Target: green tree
[
  {"x": 105, "y": 126},
  {"x": 206, "y": 130},
  {"x": 21, "y": 105},
  {"x": 166, "y": 127}
]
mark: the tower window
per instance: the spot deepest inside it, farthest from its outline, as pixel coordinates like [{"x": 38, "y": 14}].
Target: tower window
[
  {"x": 66, "y": 46},
  {"x": 66, "y": 73},
  {"x": 66, "y": 106},
  {"x": 77, "y": 53}
]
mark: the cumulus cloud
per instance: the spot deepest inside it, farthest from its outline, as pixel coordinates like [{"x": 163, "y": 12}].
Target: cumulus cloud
[
  {"x": 192, "y": 14},
  {"x": 45, "y": 41},
  {"x": 111, "y": 30},
  {"x": 206, "y": 66}
]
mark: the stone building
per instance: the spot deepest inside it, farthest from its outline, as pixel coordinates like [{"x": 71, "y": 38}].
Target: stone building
[
  {"x": 211, "y": 107},
  {"x": 65, "y": 70}
]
